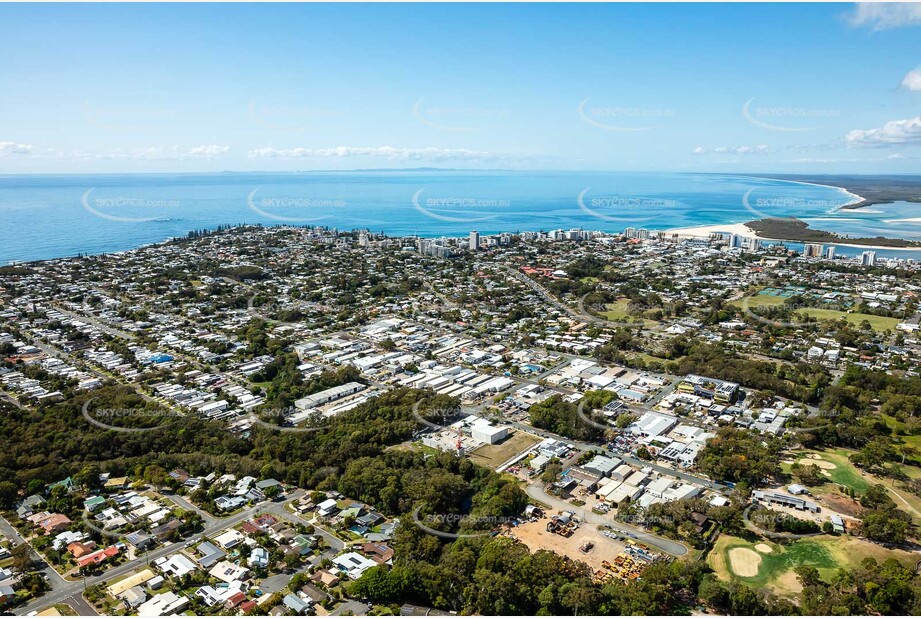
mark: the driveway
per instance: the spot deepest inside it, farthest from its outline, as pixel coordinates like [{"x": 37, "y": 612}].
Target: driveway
[
  {"x": 353, "y": 608},
  {"x": 271, "y": 585}
]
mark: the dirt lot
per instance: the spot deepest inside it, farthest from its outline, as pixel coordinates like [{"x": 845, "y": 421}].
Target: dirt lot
[
  {"x": 535, "y": 536},
  {"x": 494, "y": 455},
  {"x": 841, "y": 504}
]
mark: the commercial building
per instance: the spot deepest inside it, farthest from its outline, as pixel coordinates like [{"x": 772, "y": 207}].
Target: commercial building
[
  {"x": 770, "y": 497},
  {"x": 718, "y": 390},
  {"x": 490, "y": 434},
  {"x": 330, "y": 394},
  {"x": 812, "y": 250}
]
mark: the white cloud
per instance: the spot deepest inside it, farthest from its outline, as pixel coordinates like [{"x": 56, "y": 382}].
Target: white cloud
[
  {"x": 912, "y": 81},
  {"x": 738, "y": 150},
  {"x": 208, "y": 151},
  {"x": 883, "y": 15},
  {"x": 894, "y": 132},
  {"x": 161, "y": 153},
  {"x": 385, "y": 152},
  {"x": 12, "y": 148}
]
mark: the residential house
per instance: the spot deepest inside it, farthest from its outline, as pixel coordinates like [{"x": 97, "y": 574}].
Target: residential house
[
  {"x": 378, "y": 552},
  {"x": 163, "y": 532},
  {"x": 176, "y": 565},
  {"x": 259, "y": 558},
  {"x": 296, "y": 604},
  {"x": 229, "y": 572},
  {"x": 353, "y": 564},
  {"x": 209, "y": 555},
  {"x": 30, "y": 506},
  {"x": 51, "y": 523},
  {"x": 166, "y": 604}
]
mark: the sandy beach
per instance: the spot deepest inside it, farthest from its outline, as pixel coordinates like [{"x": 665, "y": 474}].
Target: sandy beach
[{"x": 704, "y": 231}]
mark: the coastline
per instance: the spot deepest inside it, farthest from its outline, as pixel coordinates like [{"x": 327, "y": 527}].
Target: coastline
[
  {"x": 60, "y": 246},
  {"x": 857, "y": 201},
  {"x": 873, "y": 190},
  {"x": 742, "y": 229}
]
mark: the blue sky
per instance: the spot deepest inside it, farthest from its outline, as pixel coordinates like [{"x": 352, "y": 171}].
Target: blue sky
[{"x": 811, "y": 88}]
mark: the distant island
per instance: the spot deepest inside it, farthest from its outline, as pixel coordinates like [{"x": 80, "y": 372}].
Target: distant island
[
  {"x": 873, "y": 189},
  {"x": 797, "y": 230}
]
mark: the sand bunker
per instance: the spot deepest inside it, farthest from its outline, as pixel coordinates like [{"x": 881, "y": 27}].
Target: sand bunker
[
  {"x": 763, "y": 548},
  {"x": 818, "y": 462},
  {"x": 744, "y": 562}
]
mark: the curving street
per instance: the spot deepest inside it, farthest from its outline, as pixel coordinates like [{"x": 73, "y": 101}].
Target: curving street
[{"x": 63, "y": 591}]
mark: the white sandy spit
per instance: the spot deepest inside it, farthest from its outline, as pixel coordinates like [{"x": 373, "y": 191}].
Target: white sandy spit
[{"x": 704, "y": 231}]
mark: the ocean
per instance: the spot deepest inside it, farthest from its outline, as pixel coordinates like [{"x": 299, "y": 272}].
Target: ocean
[{"x": 52, "y": 216}]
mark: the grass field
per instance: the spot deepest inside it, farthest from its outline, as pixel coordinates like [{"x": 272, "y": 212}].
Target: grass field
[
  {"x": 775, "y": 563},
  {"x": 494, "y": 455},
  {"x": 843, "y": 472},
  {"x": 617, "y": 312},
  {"x": 878, "y": 323},
  {"x": 897, "y": 427},
  {"x": 649, "y": 358},
  {"x": 760, "y": 300}
]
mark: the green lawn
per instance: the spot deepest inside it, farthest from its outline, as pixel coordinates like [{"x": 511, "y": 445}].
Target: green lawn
[
  {"x": 617, "y": 312},
  {"x": 649, "y": 358},
  {"x": 781, "y": 560},
  {"x": 878, "y": 323},
  {"x": 768, "y": 300},
  {"x": 898, "y": 438},
  {"x": 759, "y": 300},
  {"x": 844, "y": 472},
  {"x": 825, "y": 552}
]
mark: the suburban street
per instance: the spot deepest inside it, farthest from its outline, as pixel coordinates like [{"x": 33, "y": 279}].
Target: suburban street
[{"x": 63, "y": 591}]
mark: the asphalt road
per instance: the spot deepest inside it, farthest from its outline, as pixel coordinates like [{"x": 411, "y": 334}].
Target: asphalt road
[
  {"x": 62, "y": 591},
  {"x": 188, "y": 506},
  {"x": 41, "y": 566},
  {"x": 80, "y": 605}
]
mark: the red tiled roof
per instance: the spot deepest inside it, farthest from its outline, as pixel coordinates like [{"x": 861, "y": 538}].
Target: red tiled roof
[
  {"x": 98, "y": 556},
  {"x": 236, "y": 599}
]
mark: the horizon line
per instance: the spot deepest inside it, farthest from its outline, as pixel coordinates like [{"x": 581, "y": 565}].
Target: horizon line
[{"x": 456, "y": 169}]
